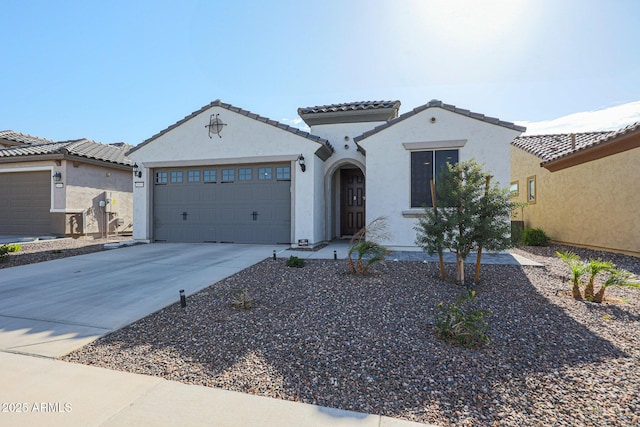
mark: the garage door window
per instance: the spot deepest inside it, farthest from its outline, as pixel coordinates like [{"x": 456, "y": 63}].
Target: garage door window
[
  {"x": 244, "y": 174},
  {"x": 228, "y": 175},
  {"x": 265, "y": 173},
  {"x": 161, "y": 177},
  {"x": 193, "y": 176},
  {"x": 209, "y": 175},
  {"x": 176, "y": 176},
  {"x": 283, "y": 173}
]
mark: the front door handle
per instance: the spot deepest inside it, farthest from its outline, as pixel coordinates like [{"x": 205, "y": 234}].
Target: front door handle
[{"x": 184, "y": 216}]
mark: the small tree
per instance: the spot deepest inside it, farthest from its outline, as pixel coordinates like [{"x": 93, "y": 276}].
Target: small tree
[{"x": 471, "y": 214}]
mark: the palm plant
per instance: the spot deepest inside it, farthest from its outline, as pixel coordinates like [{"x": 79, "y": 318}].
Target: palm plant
[
  {"x": 617, "y": 277},
  {"x": 578, "y": 268},
  {"x": 365, "y": 243},
  {"x": 594, "y": 267}
]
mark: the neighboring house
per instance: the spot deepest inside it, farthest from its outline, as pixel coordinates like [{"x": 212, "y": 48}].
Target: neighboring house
[
  {"x": 581, "y": 189},
  {"x": 224, "y": 174},
  {"x": 64, "y": 188}
]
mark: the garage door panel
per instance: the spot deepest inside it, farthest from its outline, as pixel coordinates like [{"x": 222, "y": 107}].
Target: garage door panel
[
  {"x": 224, "y": 212},
  {"x": 25, "y": 202}
]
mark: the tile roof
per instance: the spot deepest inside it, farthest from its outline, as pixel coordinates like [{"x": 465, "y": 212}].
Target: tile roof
[
  {"x": 110, "y": 153},
  {"x": 434, "y": 103},
  {"x": 350, "y": 106},
  {"x": 22, "y": 138},
  {"x": 218, "y": 103},
  {"x": 550, "y": 147}
]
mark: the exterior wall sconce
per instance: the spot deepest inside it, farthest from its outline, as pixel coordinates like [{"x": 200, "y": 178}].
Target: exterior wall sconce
[
  {"x": 215, "y": 126},
  {"x": 303, "y": 166},
  {"x": 136, "y": 171},
  {"x": 57, "y": 176}
]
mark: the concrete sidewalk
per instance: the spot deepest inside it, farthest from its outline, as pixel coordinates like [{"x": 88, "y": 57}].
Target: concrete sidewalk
[{"x": 40, "y": 391}]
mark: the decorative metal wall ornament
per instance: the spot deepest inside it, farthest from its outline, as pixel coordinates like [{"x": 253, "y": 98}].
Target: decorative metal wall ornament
[{"x": 215, "y": 125}]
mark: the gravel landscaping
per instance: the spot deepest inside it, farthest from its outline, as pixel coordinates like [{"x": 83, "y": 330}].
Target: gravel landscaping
[
  {"x": 319, "y": 335},
  {"x": 47, "y": 250}
]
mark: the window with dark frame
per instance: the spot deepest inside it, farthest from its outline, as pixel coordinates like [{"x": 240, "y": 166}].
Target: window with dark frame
[{"x": 425, "y": 165}]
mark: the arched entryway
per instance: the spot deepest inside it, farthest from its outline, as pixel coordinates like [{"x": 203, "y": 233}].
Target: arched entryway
[{"x": 346, "y": 200}]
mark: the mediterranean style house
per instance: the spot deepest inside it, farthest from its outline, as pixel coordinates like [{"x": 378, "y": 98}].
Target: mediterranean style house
[
  {"x": 225, "y": 174},
  {"x": 59, "y": 188},
  {"x": 581, "y": 188}
]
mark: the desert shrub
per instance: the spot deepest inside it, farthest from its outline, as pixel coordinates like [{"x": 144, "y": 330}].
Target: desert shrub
[
  {"x": 242, "y": 300},
  {"x": 535, "y": 237},
  {"x": 295, "y": 262},
  {"x": 461, "y": 322},
  {"x": 366, "y": 246},
  {"x": 5, "y": 250}
]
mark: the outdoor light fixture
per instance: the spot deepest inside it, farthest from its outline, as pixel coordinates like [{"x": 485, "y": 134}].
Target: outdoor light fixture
[
  {"x": 303, "y": 166},
  {"x": 57, "y": 176},
  {"x": 183, "y": 299},
  {"x": 215, "y": 125},
  {"x": 136, "y": 171}
]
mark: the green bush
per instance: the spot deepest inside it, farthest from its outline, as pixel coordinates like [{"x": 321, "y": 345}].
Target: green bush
[
  {"x": 295, "y": 262},
  {"x": 460, "y": 323},
  {"x": 6, "y": 249},
  {"x": 535, "y": 237}
]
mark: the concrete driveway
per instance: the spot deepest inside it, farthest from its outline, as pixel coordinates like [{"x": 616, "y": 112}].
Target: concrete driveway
[{"x": 54, "y": 307}]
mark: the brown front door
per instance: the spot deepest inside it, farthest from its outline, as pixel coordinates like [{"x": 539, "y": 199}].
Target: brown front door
[{"x": 352, "y": 201}]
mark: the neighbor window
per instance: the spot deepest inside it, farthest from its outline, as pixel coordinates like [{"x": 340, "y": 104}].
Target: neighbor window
[
  {"x": 425, "y": 166},
  {"x": 193, "y": 176},
  {"x": 244, "y": 174},
  {"x": 209, "y": 175},
  {"x": 228, "y": 175},
  {"x": 176, "y": 176},
  {"x": 265, "y": 173},
  {"x": 531, "y": 189},
  {"x": 515, "y": 187},
  {"x": 161, "y": 177},
  {"x": 283, "y": 173}
]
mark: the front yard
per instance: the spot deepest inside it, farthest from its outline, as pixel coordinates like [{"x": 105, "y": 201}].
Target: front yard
[{"x": 319, "y": 335}]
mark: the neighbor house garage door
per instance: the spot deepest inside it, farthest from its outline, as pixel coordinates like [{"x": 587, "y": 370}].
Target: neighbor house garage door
[
  {"x": 223, "y": 204},
  {"x": 25, "y": 200}
]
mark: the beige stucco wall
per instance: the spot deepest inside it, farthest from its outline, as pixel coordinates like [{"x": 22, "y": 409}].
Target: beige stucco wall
[
  {"x": 85, "y": 186},
  {"x": 594, "y": 204}
]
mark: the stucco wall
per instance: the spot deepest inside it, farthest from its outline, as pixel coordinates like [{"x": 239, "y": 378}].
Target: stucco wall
[
  {"x": 594, "y": 204},
  {"x": 389, "y": 168},
  {"x": 85, "y": 186},
  {"x": 244, "y": 140}
]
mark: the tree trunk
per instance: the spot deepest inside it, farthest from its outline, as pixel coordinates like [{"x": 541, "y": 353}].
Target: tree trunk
[
  {"x": 599, "y": 297},
  {"x": 460, "y": 265},
  {"x": 435, "y": 210},
  {"x": 478, "y": 259},
  {"x": 588, "y": 291},
  {"x": 576, "y": 290}
]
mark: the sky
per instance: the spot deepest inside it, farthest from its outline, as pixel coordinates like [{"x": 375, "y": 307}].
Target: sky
[{"x": 124, "y": 70}]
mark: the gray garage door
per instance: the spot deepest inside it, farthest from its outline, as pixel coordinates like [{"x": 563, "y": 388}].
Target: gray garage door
[
  {"x": 223, "y": 204},
  {"x": 25, "y": 200}
]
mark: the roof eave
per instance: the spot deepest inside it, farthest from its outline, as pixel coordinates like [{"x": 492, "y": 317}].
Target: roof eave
[
  {"x": 356, "y": 116},
  {"x": 614, "y": 146}
]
